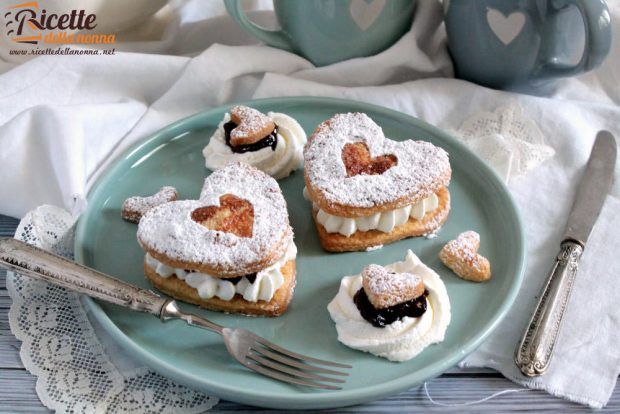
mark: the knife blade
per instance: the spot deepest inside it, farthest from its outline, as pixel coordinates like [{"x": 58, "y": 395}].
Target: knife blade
[
  {"x": 593, "y": 189},
  {"x": 535, "y": 351}
]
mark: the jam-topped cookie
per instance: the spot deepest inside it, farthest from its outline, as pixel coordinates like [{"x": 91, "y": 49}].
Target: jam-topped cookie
[
  {"x": 271, "y": 142},
  {"x": 367, "y": 190},
  {"x": 394, "y": 311},
  {"x": 232, "y": 250},
  {"x": 388, "y": 296},
  {"x": 135, "y": 207},
  {"x": 461, "y": 256}
]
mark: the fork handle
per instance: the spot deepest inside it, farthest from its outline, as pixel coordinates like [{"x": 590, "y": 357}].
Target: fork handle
[{"x": 39, "y": 264}]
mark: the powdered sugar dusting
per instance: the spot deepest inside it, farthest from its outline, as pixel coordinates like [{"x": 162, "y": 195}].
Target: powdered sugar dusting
[
  {"x": 387, "y": 288},
  {"x": 465, "y": 247},
  {"x": 421, "y": 169},
  {"x": 170, "y": 230}
]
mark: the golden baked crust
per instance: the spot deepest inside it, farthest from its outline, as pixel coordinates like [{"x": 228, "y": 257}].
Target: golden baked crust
[
  {"x": 180, "y": 290},
  {"x": 361, "y": 240},
  {"x": 461, "y": 256}
]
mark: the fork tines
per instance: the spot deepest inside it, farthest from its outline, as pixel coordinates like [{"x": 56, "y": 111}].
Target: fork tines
[{"x": 276, "y": 362}]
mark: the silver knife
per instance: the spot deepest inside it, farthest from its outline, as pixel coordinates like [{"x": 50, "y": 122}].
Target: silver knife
[{"x": 535, "y": 351}]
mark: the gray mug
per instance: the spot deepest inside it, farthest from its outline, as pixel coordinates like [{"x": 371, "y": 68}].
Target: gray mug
[
  {"x": 509, "y": 44},
  {"x": 328, "y": 31}
]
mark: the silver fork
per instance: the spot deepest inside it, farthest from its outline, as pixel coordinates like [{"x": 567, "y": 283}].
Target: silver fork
[{"x": 249, "y": 349}]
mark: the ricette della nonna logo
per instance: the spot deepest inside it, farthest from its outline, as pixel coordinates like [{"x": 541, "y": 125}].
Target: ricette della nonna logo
[{"x": 32, "y": 24}]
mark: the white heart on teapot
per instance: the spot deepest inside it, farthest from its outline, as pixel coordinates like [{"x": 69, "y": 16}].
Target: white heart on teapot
[
  {"x": 506, "y": 28},
  {"x": 364, "y": 13}
]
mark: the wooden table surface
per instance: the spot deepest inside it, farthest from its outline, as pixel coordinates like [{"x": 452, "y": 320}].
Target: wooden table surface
[{"x": 18, "y": 395}]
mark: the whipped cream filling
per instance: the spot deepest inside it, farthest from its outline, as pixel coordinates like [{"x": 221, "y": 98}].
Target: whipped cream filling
[
  {"x": 383, "y": 221},
  {"x": 279, "y": 163},
  {"x": 265, "y": 285},
  {"x": 403, "y": 339}
]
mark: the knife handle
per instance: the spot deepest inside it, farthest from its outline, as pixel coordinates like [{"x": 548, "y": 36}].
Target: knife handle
[
  {"x": 39, "y": 264},
  {"x": 536, "y": 349}
]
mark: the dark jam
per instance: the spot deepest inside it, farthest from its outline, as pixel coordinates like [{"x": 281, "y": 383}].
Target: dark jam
[
  {"x": 234, "y": 280},
  {"x": 270, "y": 140},
  {"x": 381, "y": 317}
]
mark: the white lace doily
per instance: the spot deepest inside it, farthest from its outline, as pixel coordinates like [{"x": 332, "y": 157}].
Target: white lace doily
[
  {"x": 510, "y": 142},
  {"x": 59, "y": 345}
]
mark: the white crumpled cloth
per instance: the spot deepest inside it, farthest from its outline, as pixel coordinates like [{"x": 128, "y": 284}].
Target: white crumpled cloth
[{"x": 63, "y": 120}]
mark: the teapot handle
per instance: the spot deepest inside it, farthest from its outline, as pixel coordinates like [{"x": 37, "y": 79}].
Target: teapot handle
[{"x": 597, "y": 25}]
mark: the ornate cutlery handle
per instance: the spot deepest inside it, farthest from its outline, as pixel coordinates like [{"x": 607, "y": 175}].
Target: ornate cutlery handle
[
  {"x": 536, "y": 349},
  {"x": 39, "y": 264}
]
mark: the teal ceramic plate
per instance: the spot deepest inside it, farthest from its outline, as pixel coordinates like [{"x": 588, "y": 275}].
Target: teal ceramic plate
[{"x": 199, "y": 359}]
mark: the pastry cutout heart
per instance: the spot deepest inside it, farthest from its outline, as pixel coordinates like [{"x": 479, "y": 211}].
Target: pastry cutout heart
[
  {"x": 233, "y": 215},
  {"x": 357, "y": 160},
  {"x": 238, "y": 226},
  {"x": 416, "y": 168},
  {"x": 461, "y": 256},
  {"x": 252, "y": 125},
  {"x": 385, "y": 288}
]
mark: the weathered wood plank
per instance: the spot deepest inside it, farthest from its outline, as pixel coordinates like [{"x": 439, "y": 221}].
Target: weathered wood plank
[
  {"x": 8, "y": 225},
  {"x": 17, "y": 395}
]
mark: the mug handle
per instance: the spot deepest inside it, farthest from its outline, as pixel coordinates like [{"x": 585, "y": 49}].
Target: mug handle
[
  {"x": 596, "y": 20},
  {"x": 275, "y": 38}
]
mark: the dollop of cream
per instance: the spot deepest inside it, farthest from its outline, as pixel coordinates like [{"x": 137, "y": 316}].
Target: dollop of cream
[
  {"x": 383, "y": 221},
  {"x": 279, "y": 163},
  {"x": 403, "y": 339},
  {"x": 265, "y": 285}
]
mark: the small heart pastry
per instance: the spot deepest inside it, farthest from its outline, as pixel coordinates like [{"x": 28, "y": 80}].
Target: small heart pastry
[
  {"x": 135, "y": 207},
  {"x": 368, "y": 190},
  {"x": 461, "y": 256},
  {"x": 250, "y": 125},
  {"x": 232, "y": 250},
  {"x": 385, "y": 288}
]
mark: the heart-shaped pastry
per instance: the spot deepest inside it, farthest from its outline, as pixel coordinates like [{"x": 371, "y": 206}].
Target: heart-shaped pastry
[
  {"x": 238, "y": 226},
  {"x": 369, "y": 190},
  {"x": 385, "y": 288},
  {"x": 461, "y": 256},
  {"x": 135, "y": 207}
]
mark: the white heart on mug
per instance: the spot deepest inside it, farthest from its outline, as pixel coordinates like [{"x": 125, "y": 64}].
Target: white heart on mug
[
  {"x": 364, "y": 13},
  {"x": 506, "y": 28}
]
